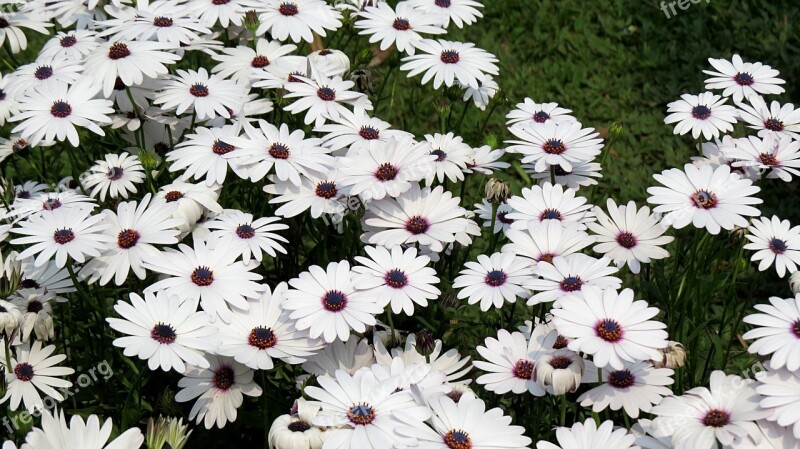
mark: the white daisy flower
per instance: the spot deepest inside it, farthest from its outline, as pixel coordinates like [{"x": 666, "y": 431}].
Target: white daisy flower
[
  {"x": 56, "y": 434},
  {"x": 164, "y": 330},
  {"x": 201, "y": 155},
  {"x": 493, "y": 280},
  {"x": 321, "y": 193},
  {"x": 739, "y": 80},
  {"x": 210, "y": 274},
  {"x": 225, "y": 12},
  {"x": 62, "y": 233},
  {"x": 219, "y": 389},
  {"x": 549, "y": 202},
  {"x": 323, "y": 97},
  {"x": 771, "y": 436},
  {"x": 511, "y": 361},
  {"x": 386, "y": 168},
  {"x": 14, "y": 21},
  {"x": 449, "y": 362},
  {"x": 777, "y": 332},
  {"x": 247, "y": 236},
  {"x": 501, "y": 222},
  {"x": 460, "y": 12},
  {"x": 530, "y": 113},
  {"x": 356, "y": 131},
  {"x": 240, "y": 63},
  {"x": 463, "y": 424},
  {"x": 447, "y": 62},
  {"x": 541, "y": 242},
  {"x": 567, "y": 276},
  {"x": 286, "y": 70},
  {"x": 45, "y": 74},
  {"x": 326, "y": 302},
  {"x": 775, "y": 241},
  {"x": 115, "y": 176},
  {"x": 130, "y": 61},
  {"x": 714, "y": 155},
  {"x": 48, "y": 276},
  {"x": 486, "y": 160},
  {"x": 401, "y": 26},
  {"x": 629, "y": 236},
  {"x": 452, "y": 157},
  {"x": 50, "y": 113},
  {"x": 297, "y": 430},
  {"x": 636, "y": 387},
  {"x": 555, "y": 144},
  {"x": 705, "y": 114},
  {"x": 431, "y": 217},
  {"x": 420, "y": 379},
  {"x": 582, "y": 174},
  {"x": 9, "y": 106},
  {"x": 333, "y": 62},
  {"x": 397, "y": 277},
  {"x": 707, "y": 197},
  {"x": 32, "y": 370},
  {"x": 781, "y": 394},
  {"x": 362, "y": 410},
  {"x": 193, "y": 201},
  {"x": 348, "y": 356},
  {"x": 137, "y": 228},
  {"x": 208, "y": 95},
  {"x": 483, "y": 94},
  {"x": 725, "y": 413},
  {"x": 290, "y": 153},
  {"x": 781, "y": 157},
  {"x": 297, "y": 19},
  {"x": 264, "y": 331},
  {"x": 166, "y": 22},
  {"x": 772, "y": 119},
  {"x": 588, "y": 435},
  {"x": 36, "y": 313},
  {"x": 611, "y": 327}
]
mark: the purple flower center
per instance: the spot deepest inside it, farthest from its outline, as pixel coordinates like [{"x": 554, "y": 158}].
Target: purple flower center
[
  {"x": 400, "y": 24},
  {"x": 744, "y": 79},
  {"x": 60, "y": 109},
  {"x": 495, "y": 278},
  {"x": 202, "y": 276},
  {"x": 288, "y": 9},
  {"x": 440, "y": 155},
  {"x": 561, "y": 342},
  {"x": 369, "y": 133},
  {"x": 224, "y": 377},
  {"x": 768, "y": 159},
  {"x": 796, "y": 328},
  {"x": 716, "y": 418},
  {"x": 34, "y": 307},
  {"x": 260, "y": 61},
  {"x": 450, "y": 57},
  {"x": 386, "y": 172},
  {"x": 163, "y": 333},
  {"x": 63, "y": 236},
  {"x": 502, "y": 218},
  {"x": 457, "y": 439},
  {"x": 245, "y": 231},
  {"x": 621, "y": 379},
  {"x": 626, "y": 240},
  {"x": 550, "y": 214},
  {"x": 219, "y": 147},
  {"x": 361, "y": 414},
  {"x": 199, "y": 90},
  {"x": 442, "y": 3},
  {"x": 396, "y": 278},
  {"x": 523, "y": 369},
  {"x": 162, "y": 22},
  {"x": 127, "y": 238},
  {"x": 609, "y": 330},
  {"x": 220, "y": 2},
  {"x": 262, "y": 337},
  {"x": 571, "y": 283},
  {"x": 417, "y": 225},
  {"x": 554, "y": 146},
  {"x": 326, "y": 190},
  {"x": 334, "y": 301},
  {"x": 43, "y": 72},
  {"x": 701, "y": 112},
  {"x": 68, "y": 41},
  {"x": 279, "y": 151},
  {"x": 325, "y": 93},
  {"x": 540, "y": 117},
  {"x": 560, "y": 362},
  {"x": 773, "y": 124},
  {"x": 24, "y": 371},
  {"x": 118, "y": 50},
  {"x": 115, "y": 173},
  {"x": 50, "y": 203},
  {"x": 704, "y": 199},
  {"x": 777, "y": 245}
]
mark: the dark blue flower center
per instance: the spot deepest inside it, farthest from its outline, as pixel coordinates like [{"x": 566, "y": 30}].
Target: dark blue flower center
[
  {"x": 457, "y": 439},
  {"x": 262, "y": 337},
  {"x": 326, "y": 93},
  {"x": 163, "y": 333},
  {"x": 326, "y": 190},
  {"x": 68, "y": 41},
  {"x": 396, "y": 278},
  {"x": 219, "y": 147},
  {"x": 115, "y": 173},
  {"x": 554, "y": 146},
  {"x": 43, "y": 72},
  {"x": 495, "y": 278},
  {"x": 744, "y": 79},
  {"x": 369, "y": 133},
  {"x": 701, "y": 112},
  {"x": 245, "y": 231},
  {"x": 63, "y": 236},
  {"x": 609, "y": 330},
  {"x": 361, "y": 414},
  {"x": 450, "y": 57},
  {"x": 202, "y": 276},
  {"x": 550, "y": 214},
  {"x": 334, "y": 301},
  {"x": 386, "y": 172},
  {"x": 24, "y": 372},
  {"x": 199, "y": 90},
  {"x": 704, "y": 199},
  {"x": 571, "y": 283},
  {"x": 621, "y": 379},
  {"x": 60, "y": 109},
  {"x": 279, "y": 151},
  {"x": 777, "y": 246}
]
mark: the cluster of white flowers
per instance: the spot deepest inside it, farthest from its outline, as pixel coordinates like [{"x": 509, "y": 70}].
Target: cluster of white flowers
[{"x": 128, "y": 71}]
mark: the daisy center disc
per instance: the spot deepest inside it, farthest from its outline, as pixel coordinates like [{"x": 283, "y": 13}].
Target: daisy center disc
[
  {"x": 704, "y": 199},
  {"x": 334, "y": 301},
  {"x": 224, "y": 377},
  {"x": 450, "y": 57},
  {"x": 199, "y": 90},
  {"x": 386, "y": 172},
  {"x": 29, "y": 283},
  {"x": 262, "y": 337},
  {"x": 626, "y": 240},
  {"x": 701, "y": 112},
  {"x": 326, "y": 94},
  {"x": 173, "y": 196},
  {"x": 540, "y": 117},
  {"x": 716, "y": 418},
  {"x": 523, "y": 369},
  {"x": 778, "y": 246},
  {"x": 326, "y": 190},
  {"x": 279, "y": 151},
  {"x": 127, "y": 238},
  {"x": 773, "y": 124},
  {"x": 220, "y": 2},
  {"x": 744, "y": 79},
  {"x": 417, "y": 225},
  {"x": 395, "y": 278},
  {"x": 457, "y": 439},
  {"x": 495, "y": 278},
  {"x": 51, "y": 204},
  {"x": 455, "y": 395},
  {"x": 3, "y": 23},
  {"x": 609, "y": 330},
  {"x": 219, "y": 147},
  {"x": 621, "y": 379},
  {"x": 561, "y": 172},
  {"x": 68, "y": 41},
  {"x": 163, "y": 333},
  {"x": 19, "y": 144},
  {"x": 554, "y": 146},
  {"x": 361, "y": 414},
  {"x": 440, "y": 155},
  {"x": 245, "y": 231},
  {"x": 401, "y": 24},
  {"x": 369, "y": 133},
  {"x": 60, "y": 109},
  {"x": 561, "y": 342},
  {"x": 63, "y": 236},
  {"x": 115, "y": 173},
  {"x": 162, "y": 22},
  {"x": 550, "y": 214},
  {"x": 43, "y": 72},
  {"x": 34, "y": 307},
  {"x": 796, "y": 328},
  {"x": 768, "y": 159},
  {"x": 118, "y": 50},
  {"x": 298, "y": 426},
  {"x": 202, "y": 276},
  {"x": 260, "y": 61},
  {"x": 502, "y": 217},
  {"x": 442, "y": 3},
  {"x": 560, "y": 362},
  {"x": 119, "y": 85},
  {"x": 2, "y": 95},
  {"x": 24, "y": 372},
  {"x": 571, "y": 283},
  {"x": 547, "y": 258},
  {"x": 288, "y": 9}
]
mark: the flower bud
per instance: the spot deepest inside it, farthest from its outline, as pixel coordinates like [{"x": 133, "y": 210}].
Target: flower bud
[
  {"x": 149, "y": 159},
  {"x": 425, "y": 342},
  {"x": 794, "y": 282},
  {"x": 336, "y": 62},
  {"x": 166, "y": 433},
  {"x": 251, "y": 20},
  {"x": 616, "y": 129},
  {"x": 9, "y": 318},
  {"x": 497, "y": 191},
  {"x": 560, "y": 371},
  {"x": 674, "y": 356}
]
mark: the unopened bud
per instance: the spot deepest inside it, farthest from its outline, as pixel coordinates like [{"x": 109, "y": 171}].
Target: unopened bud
[
  {"x": 149, "y": 159},
  {"x": 616, "y": 129},
  {"x": 794, "y": 282},
  {"x": 251, "y": 20},
  {"x": 491, "y": 140},
  {"x": 674, "y": 356},
  {"x": 425, "y": 342},
  {"x": 497, "y": 191},
  {"x": 166, "y": 433},
  {"x": 442, "y": 106}
]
